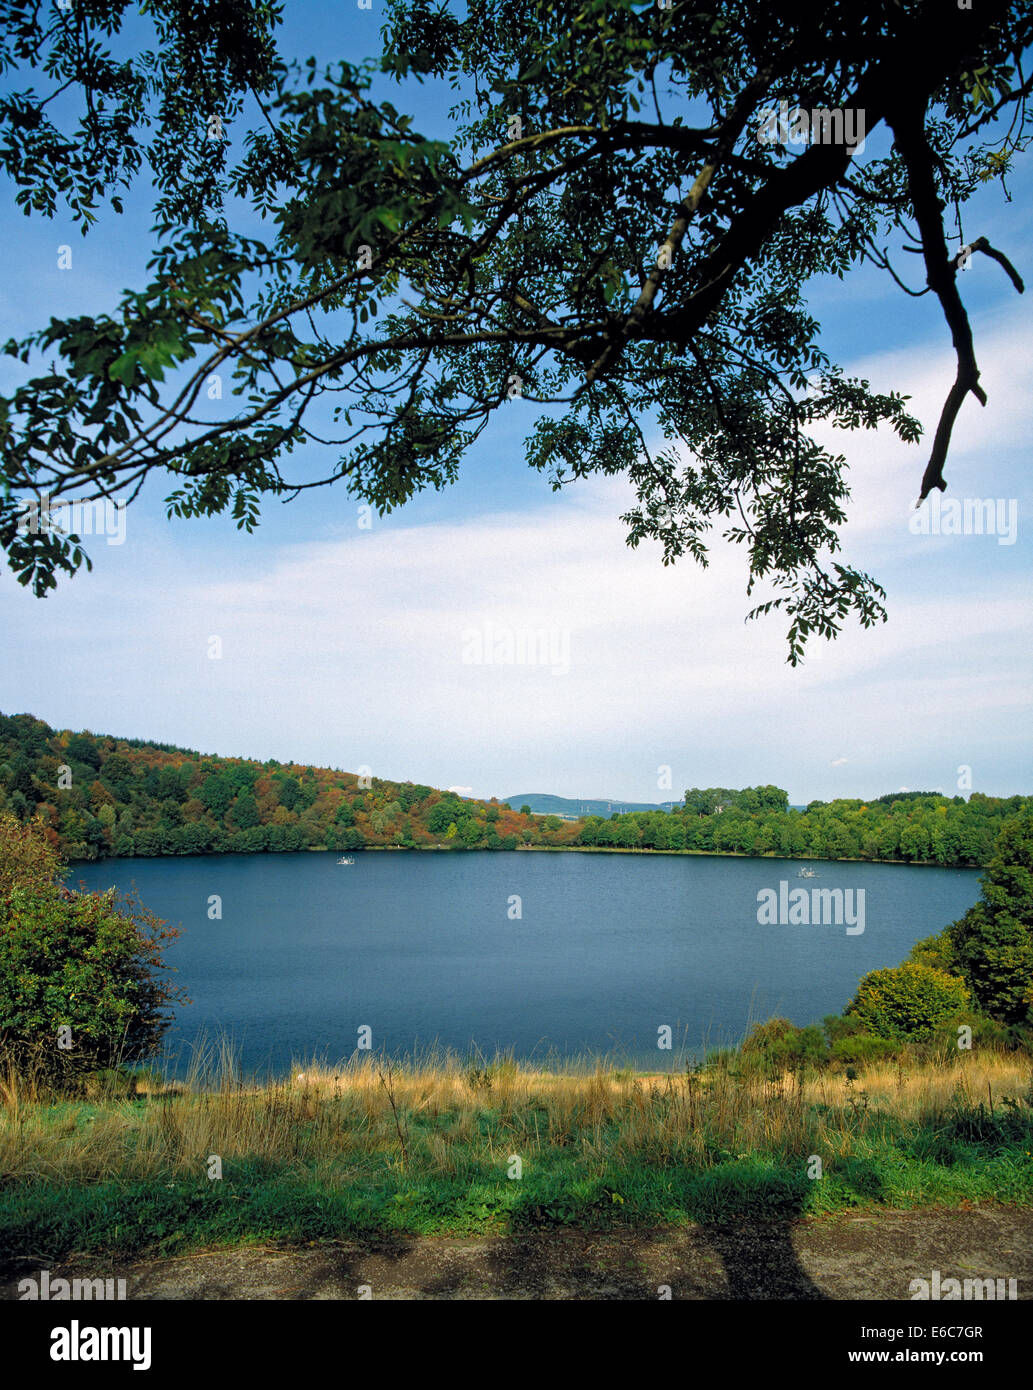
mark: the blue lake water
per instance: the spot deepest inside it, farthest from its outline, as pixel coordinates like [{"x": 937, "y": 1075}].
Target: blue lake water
[{"x": 425, "y": 948}]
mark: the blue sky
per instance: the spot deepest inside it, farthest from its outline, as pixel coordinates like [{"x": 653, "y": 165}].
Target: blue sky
[{"x": 345, "y": 646}]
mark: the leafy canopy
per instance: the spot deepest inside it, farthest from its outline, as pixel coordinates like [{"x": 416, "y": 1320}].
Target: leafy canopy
[{"x": 602, "y": 252}]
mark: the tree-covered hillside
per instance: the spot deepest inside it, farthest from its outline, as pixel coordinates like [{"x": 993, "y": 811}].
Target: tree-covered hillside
[{"x": 99, "y": 796}]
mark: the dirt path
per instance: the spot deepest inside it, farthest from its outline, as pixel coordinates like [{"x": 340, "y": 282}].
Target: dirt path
[{"x": 846, "y": 1257}]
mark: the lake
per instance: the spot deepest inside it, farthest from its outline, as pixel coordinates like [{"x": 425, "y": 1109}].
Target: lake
[{"x": 540, "y": 953}]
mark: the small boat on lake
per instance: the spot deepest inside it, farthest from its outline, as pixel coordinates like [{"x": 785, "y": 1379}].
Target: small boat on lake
[
  {"x": 806, "y": 872},
  {"x": 346, "y": 860}
]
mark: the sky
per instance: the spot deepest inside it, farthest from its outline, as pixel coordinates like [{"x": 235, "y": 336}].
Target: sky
[{"x": 322, "y": 639}]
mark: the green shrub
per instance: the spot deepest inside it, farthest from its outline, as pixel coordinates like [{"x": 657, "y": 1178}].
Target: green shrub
[
  {"x": 936, "y": 951},
  {"x": 79, "y": 990},
  {"x": 863, "y": 1048},
  {"x": 989, "y": 1034},
  {"x": 841, "y": 1026},
  {"x": 780, "y": 1045},
  {"x": 908, "y": 1001},
  {"x": 84, "y": 962}
]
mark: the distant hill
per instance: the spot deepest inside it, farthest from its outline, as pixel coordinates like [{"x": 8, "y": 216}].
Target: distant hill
[
  {"x": 542, "y": 804},
  {"x": 567, "y": 808}
]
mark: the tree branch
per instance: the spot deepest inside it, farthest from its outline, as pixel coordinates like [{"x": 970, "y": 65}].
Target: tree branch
[
  {"x": 731, "y": 129},
  {"x": 908, "y": 123}
]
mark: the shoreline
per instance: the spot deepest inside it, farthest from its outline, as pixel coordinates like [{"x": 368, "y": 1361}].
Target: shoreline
[{"x": 548, "y": 849}]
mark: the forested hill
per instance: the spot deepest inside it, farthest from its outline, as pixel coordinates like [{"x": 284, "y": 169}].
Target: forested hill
[
  {"x": 100, "y": 796},
  {"x": 104, "y": 796}
]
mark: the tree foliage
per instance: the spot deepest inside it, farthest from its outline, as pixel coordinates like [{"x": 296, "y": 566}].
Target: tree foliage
[
  {"x": 921, "y": 827},
  {"x": 601, "y": 253},
  {"x": 81, "y": 984},
  {"x": 28, "y": 858},
  {"x": 908, "y": 1001},
  {"x": 992, "y": 945}
]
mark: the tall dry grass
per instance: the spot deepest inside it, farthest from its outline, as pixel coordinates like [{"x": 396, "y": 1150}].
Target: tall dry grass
[{"x": 439, "y": 1115}]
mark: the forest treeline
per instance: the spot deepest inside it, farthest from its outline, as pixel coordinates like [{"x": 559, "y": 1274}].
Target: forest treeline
[
  {"x": 100, "y": 796},
  {"x": 914, "y": 827}
]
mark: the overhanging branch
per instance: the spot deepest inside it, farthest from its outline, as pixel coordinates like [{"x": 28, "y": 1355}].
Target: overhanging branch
[{"x": 908, "y": 123}]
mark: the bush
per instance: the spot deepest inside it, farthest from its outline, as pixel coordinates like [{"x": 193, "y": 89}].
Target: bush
[
  {"x": 27, "y": 858},
  {"x": 936, "y": 951},
  {"x": 82, "y": 962},
  {"x": 779, "y": 1045},
  {"x": 863, "y": 1048},
  {"x": 989, "y": 1034},
  {"x": 908, "y": 1001},
  {"x": 78, "y": 985}
]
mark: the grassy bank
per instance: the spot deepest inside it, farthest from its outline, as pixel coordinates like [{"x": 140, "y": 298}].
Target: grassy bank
[{"x": 428, "y": 1148}]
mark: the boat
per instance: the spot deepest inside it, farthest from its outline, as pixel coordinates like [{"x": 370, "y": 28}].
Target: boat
[
  {"x": 805, "y": 872},
  {"x": 346, "y": 860}
]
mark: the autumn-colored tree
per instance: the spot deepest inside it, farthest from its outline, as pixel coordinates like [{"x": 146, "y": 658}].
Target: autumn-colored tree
[{"x": 27, "y": 857}]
